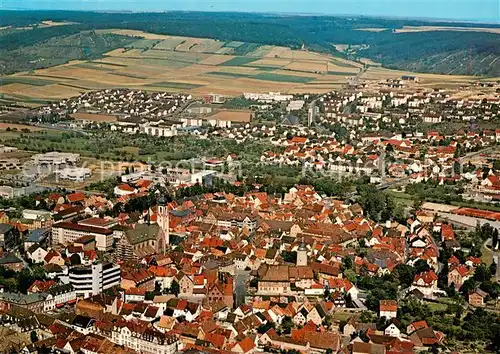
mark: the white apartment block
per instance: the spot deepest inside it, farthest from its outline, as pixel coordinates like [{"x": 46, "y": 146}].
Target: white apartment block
[{"x": 92, "y": 280}]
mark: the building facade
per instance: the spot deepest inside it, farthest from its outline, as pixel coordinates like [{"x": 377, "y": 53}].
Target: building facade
[{"x": 92, "y": 280}]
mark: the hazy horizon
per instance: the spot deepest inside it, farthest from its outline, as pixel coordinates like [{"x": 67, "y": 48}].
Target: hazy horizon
[{"x": 465, "y": 10}]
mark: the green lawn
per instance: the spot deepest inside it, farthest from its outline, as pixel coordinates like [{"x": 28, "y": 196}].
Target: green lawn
[
  {"x": 24, "y": 80},
  {"x": 228, "y": 74},
  {"x": 401, "y": 197},
  {"x": 238, "y": 61},
  {"x": 486, "y": 255},
  {"x": 233, "y": 44},
  {"x": 436, "y": 307},
  {"x": 342, "y": 64},
  {"x": 282, "y": 78}
]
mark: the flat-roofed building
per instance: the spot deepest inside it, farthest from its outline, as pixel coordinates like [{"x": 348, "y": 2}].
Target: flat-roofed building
[
  {"x": 56, "y": 158},
  {"x": 76, "y": 174},
  {"x": 69, "y": 232},
  {"x": 39, "y": 236},
  {"x": 94, "y": 279}
]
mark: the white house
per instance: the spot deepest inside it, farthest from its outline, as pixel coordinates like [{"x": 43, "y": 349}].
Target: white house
[{"x": 392, "y": 330}]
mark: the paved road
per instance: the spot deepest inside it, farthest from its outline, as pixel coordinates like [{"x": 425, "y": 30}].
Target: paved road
[{"x": 240, "y": 286}]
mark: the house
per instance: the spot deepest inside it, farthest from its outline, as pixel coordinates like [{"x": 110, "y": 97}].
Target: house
[
  {"x": 12, "y": 262},
  {"x": 458, "y": 275},
  {"x": 367, "y": 348},
  {"x": 246, "y": 345},
  {"x": 54, "y": 257},
  {"x": 317, "y": 314},
  {"x": 477, "y": 298},
  {"x": 278, "y": 279},
  {"x": 39, "y": 236},
  {"x": 186, "y": 285},
  {"x": 392, "y": 331},
  {"x": 7, "y": 235},
  {"x": 138, "y": 278},
  {"x": 40, "y": 286},
  {"x": 425, "y": 282},
  {"x": 36, "y": 253},
  {"x": 414, "y": 326},
  {"x": 426, "y": 337},
  {"x": 388, "y": 309},
  {"x": 124, "y": 189}
]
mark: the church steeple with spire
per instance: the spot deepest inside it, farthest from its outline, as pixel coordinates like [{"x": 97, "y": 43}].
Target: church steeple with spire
[{"x": 163, "y": 220}]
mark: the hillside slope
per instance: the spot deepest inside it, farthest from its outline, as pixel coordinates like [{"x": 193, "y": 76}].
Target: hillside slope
[{"x": 438, "y": 51}]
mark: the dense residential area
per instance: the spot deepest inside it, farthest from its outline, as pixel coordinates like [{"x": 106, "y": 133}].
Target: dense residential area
[
  {"x": 350, "y": 222},
  {"x": 215, "y": 183}
]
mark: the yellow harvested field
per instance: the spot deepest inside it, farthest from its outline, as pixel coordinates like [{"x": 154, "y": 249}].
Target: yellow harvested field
[
  {"x": 216, "y": 59},
  {"x": 369, "y": 62},
  {"x": 372, "y": 29},
  {"x": 297, "y": 73},
  {"x": 208, "y": 46},
  {"x": 260, "y": 51},
  {"x": 55, "y": 91},
  {"x": 13, "y": 88},
  {"x": 122, "y": 52},
  {"x": 309, "y": 66},
  {"x": 237, "y": 69},
  {"x": 376, "y": 73},
  {"x": 94, "y": 117},
  {"x": 317, "y": 89},
  {"x": 187, "y": 44},
  {"x": 407, "y": 29},
  {"x": 330, "y": 78},
  {"x": 279, "y": 52},
  {"x": 135, "y": 33},
  {"x": 233, "y": 116},
  {"x": 225, "y": 50},
  {"x": 182, "y": 64},
  {"x": 53, "y": 23},
  {"x": 278, "y": 62}
]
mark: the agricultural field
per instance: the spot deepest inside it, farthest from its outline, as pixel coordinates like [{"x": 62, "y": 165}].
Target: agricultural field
[
  {"x": 93, "y": 117},
  {"x": 196, "y": 65}
]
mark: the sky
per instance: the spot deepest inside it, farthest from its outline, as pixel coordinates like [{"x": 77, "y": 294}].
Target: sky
[{"x": 474, "y": 10}]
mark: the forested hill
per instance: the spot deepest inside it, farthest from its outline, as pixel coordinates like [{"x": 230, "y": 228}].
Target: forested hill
[{"x": 445, "y": 51}]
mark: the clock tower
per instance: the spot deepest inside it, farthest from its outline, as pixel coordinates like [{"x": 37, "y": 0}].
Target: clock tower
[{"x": 163, "y": 220}]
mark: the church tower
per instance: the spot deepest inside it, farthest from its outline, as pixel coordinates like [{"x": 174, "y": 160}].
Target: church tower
[
  {"x": 302, "y": 255},
  {"x": 163, "y": 220}
]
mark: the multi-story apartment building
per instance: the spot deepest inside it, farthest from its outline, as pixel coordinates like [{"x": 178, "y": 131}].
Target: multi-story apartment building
[
  {"x": 68, "y": 232},
  {"x": 141, "y": 337},
  {"x": 59, "y": 295},
  {"x": 92, "y": 280}
]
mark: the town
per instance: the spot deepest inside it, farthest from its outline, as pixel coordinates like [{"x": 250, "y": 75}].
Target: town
[{"x": 364, "y": 220}]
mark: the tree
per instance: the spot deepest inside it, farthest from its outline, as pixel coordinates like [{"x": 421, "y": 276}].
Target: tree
[
  {"x": 347, "y": 262},
  {"x": 421, "y": 266},
  {"x": 263, "y": 328},
  {"x": 33, "y": 337},
  {"x": 174, "y": 288},
  {"x": 468, "y": 286},
  {"x": 287, "y": 324},
  {"x": 482, "y": 273},
  {"x": 494, "y": 239},
  {"x": 405, "y": 274},
  {"x": 289, "y": 256}
]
